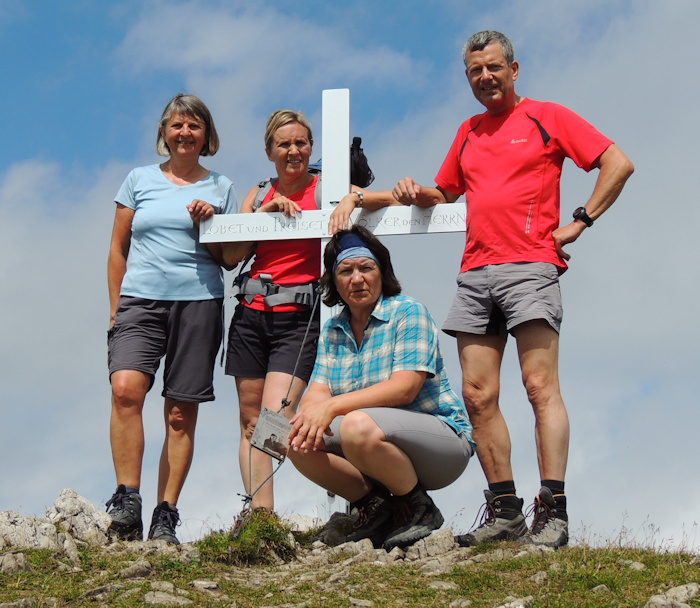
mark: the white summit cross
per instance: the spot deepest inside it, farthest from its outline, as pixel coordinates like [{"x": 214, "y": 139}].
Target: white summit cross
[{"x": 335, "y": 147}]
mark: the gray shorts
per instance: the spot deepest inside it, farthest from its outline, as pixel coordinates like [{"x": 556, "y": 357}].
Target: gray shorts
[
  {"x": 186, "y": 333},
  {"x": 494, "y": 299},
  {"x": 439, "y": 455}
]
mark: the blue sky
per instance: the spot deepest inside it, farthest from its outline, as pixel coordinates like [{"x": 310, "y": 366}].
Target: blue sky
[{"x": 84, "y": 87}]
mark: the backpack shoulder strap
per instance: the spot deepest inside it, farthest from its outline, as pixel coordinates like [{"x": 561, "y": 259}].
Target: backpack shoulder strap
[
  {"x": 266, "y": 185},
  {"x": 318, "y": 192},
  {"x": 263, "y": 188}
]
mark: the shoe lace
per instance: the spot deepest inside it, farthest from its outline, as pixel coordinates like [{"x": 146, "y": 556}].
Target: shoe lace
[
  {"x": 402, "y": 513},
  {"x": 168, "y": 519},
  {"x": 365, "y": 514},
  {"x": 542, "y": 514},
  {"x": 117, "y": 500},
  {"x": 487, "y": 514},
  {"x": 120, "y": 501}
]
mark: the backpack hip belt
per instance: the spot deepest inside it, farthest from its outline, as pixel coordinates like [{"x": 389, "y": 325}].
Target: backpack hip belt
[{"x": 246, "y": 288}]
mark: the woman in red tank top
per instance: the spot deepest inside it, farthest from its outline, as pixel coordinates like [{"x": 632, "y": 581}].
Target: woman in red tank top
[{"x": 265, "y": 339}]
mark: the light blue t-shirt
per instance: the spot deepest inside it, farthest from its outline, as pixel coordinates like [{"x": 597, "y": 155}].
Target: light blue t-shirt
[{"x": 166, "y": 260}]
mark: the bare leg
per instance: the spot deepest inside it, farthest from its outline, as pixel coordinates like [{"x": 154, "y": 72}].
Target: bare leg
[
  {"x": 129, "y": 390},
  {"x": 480, "y": 358},
  {"x": 367, "y": 456},
  {"x": 254, "y": 393},
  {"x": 538, "y": 349},
  {"x": 332, "y": 472},
  {"x": 178, "y": 448}
]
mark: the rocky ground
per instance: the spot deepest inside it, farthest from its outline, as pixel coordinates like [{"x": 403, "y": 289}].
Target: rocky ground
[{"x": 73, "y": 520}]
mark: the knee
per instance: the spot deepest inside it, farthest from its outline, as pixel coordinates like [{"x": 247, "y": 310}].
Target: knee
[
  {"x": 249, "y": 415},
  {"x": 540, "y": 387},
  {"x": 358, "y": 429},
  {"x": 248, "y": 426},
  {"x": 479, "y": 399},
  {"x": 126, "y": 393},
  {"x": 182, "y": 417}
]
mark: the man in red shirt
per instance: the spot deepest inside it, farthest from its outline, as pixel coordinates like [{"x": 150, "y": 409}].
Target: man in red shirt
[{"x": 507, "y": 162}]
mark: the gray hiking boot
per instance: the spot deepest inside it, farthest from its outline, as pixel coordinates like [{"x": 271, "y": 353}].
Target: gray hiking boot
[
  {"x": 375, "y": 516},
  {"x": 414, "y": 518},
  {"x": 501, "y": 519},
  {"x": 125, "y": 512},
  {"x": 550, "y": 525},
  {"x": 165, "y": 519}
]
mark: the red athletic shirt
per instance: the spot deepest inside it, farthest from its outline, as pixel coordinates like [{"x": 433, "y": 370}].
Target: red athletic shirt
[
  {"x": 508, "y": 166},
  {"x": 292, "y": 262}
]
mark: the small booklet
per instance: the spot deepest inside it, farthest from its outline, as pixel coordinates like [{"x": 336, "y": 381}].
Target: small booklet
[{"x": 271, "y": 434}]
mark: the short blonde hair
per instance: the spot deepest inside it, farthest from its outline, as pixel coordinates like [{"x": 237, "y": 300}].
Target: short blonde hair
[
  {"x": 280, "y": 118},
  {"x": 194, "y": 107}
]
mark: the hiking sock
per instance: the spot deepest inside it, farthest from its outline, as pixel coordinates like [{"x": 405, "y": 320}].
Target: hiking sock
[
  {"x": 503, "y": 487},
  {"x": 505, "y": 492},
  {"x": 416, "y": 490}
]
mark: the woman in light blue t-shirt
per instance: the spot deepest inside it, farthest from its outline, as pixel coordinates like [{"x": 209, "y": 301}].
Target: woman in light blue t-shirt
[{"x": 166, "y": 291}]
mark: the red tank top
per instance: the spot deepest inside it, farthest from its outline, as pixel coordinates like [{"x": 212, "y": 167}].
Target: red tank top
[{"x": 292, "y": 262}]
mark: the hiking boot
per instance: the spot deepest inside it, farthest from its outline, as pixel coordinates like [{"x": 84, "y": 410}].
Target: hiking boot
[
  {"x": 501, "y": 519},
  {"x": 165, "y": 518},
  {"x": 415, "y": 517},
  {"x": 126, "y": 515},
  {"x": 375, "y": 516},
  {"x": 550, "y": 524}
]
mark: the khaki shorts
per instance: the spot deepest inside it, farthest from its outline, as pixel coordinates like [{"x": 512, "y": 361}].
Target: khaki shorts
[{"x": 494, "y": 299}]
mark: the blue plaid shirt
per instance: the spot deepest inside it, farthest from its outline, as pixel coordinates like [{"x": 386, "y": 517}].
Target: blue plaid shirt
[{"x": 400, "y": 336}]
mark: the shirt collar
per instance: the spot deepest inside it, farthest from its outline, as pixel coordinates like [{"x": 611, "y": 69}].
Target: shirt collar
[{"x": 381, "y": 312}]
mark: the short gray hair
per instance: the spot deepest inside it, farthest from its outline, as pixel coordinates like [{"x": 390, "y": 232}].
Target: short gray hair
[
  {"x": 194, "y": 107},
  {"x": 480, "y": 40}
]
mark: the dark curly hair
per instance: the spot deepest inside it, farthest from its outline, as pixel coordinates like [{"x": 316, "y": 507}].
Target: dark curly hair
[{"x": 390, "y": 284}]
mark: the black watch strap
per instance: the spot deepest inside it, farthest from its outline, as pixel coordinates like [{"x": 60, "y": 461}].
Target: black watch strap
[{"x": 580, "y": 214}]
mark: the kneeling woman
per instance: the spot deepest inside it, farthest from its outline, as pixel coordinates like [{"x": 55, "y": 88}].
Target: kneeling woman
[{"x": 379, "y": 424}]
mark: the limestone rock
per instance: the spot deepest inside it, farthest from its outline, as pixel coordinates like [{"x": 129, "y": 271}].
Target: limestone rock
[
  {"x": 17, "y": 531},
  {"x": 675, "y": 598},
  {"x": 140, "y": 569},
  {"x": 160, "y": 598},
  {"x": 25, "y": 602},
  {"x": 11, "y": 563},
  {"x": 80, "y": 518}
]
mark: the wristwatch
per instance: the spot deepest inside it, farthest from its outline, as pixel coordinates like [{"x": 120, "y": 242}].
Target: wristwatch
[{"x": 580, "y": 214}]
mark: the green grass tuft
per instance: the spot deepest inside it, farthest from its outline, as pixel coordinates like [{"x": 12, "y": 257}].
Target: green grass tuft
[{"x": 263, "y": 539}]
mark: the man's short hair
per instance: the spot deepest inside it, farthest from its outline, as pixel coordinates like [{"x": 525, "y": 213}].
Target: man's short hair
[{"x": 480, "y": 40}]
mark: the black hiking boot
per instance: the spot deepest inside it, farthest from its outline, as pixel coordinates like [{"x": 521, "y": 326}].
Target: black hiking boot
[
  {"x": 375, "y": 515},
  {"x": 165, "y": 519},
  {"x": 415, "y": 517},
  {"x": 125, "y": 512}
]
